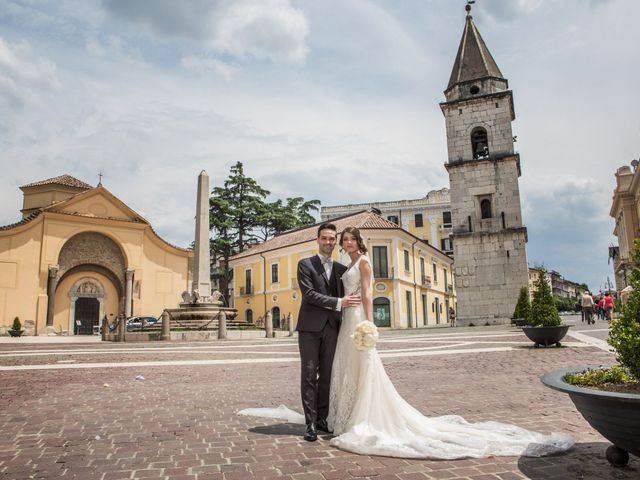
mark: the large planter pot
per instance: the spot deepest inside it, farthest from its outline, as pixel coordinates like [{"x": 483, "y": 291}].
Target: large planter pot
[
  {"x": 546, "y": 335},
  {"x": 15, "y": 333},
  {"x": 520, "y": 322},
  {"x": 616, "y": 416}
]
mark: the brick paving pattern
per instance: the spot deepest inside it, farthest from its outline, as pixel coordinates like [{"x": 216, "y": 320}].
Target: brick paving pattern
[{"x": 180, "y": 422}]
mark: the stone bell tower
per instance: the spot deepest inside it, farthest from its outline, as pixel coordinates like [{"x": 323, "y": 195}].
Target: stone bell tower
[{"x": 489, "y": 237}]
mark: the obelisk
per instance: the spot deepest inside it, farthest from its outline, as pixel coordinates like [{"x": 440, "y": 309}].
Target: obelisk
[{"x": 202, "y": 255}]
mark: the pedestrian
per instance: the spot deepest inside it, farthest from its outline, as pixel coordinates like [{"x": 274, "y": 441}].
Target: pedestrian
[
  {"x": 608, "y": 306},
  {"x": 587, "y": 307},
  {"x": 601, "y": 308},
  {"x": 452, "y": 316}
]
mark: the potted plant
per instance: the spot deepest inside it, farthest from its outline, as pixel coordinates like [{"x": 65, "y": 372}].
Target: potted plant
[
  {"x": 608, "y": 397},
  {"x": 545, "y": 326},
  {"x": 523, "y": 309},
  {"x": 16, "y": 328}
]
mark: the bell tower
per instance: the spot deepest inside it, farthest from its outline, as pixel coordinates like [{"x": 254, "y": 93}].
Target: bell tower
[{"x": 488, "y": 237}]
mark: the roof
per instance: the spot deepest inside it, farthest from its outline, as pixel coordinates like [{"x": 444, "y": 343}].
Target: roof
[
  {"x": 364, "y": 220},
  {"x": 66, "y": 180},
  {"x": 473, "y": 61}
]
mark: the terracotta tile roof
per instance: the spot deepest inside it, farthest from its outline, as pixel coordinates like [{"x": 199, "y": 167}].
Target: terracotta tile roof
[
  {"x": 66, "y": 180},
  {"x": 363, "y": 220},
  {"x": 27, "y": 219}
]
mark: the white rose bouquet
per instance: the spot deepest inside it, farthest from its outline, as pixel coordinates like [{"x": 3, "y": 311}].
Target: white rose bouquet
[{"x": 365, "y": 335}]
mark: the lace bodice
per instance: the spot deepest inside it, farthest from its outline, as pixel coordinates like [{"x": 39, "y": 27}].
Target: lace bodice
[{"x": 351, "y": 279}]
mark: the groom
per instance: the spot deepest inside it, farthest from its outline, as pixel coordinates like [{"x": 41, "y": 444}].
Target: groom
[{"x": 318, "y": 325}]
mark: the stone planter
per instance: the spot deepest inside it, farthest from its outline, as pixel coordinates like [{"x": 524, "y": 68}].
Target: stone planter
[
  {"x": 616, "y": 416},
  {"x": 15, "y": 333},
  {"x": 546, "y": 335}
]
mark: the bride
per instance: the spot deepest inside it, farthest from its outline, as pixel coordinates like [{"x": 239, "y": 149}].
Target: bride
[{"x": 367, "y": 414}]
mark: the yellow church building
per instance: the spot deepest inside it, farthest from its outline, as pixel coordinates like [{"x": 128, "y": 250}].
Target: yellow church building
[
  {"x": 80, "y": 254},
  {"x": 413, "y": 282}
]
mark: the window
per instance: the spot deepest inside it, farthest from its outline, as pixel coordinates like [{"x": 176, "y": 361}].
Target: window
[
  {"x": 438, "y": 310},
  {"x": 382, "y": 312},
  {"x": 407, "y": 264},
  {"x": 435, "y": 273},
  {"x": 419, "y": 221},
  {"x": 247, "y": 281},
  {"x": 393, "y": 218},
  {"x": 485, "y": 208},
  {"x": 248, "y": 316},
  {"x": 479, "y": 143},
  {"x": 274, "y": 273},
  {"x": 409, "y": 309},
  {"x": 444, "y": 276},
  {"x": 422, "y": 267},
  {"x": 446, "y": 245},
  {"x": 446, "y": 218},
  {"x": 380, "y": 269}
]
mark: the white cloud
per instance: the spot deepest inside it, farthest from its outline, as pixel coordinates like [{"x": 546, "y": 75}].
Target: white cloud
[
  {"x": 205, "y": 65},
  {"x": 24, "y": 77},
  {"x": 260, "y": 29}
]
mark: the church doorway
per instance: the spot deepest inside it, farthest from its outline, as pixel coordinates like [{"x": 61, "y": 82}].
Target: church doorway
[
  {"x": 275, "y": 312},
  {"x": 87, "y": 315}
]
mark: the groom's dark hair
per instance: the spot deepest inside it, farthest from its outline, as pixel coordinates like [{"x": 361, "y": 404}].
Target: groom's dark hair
[{"x": 327, "y": 226}]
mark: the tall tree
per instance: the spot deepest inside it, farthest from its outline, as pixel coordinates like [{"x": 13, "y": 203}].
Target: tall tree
[{"x": 235, "y": 212}]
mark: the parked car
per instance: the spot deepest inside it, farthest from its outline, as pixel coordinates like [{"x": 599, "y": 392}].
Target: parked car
[{"x": 140, "y": 322}]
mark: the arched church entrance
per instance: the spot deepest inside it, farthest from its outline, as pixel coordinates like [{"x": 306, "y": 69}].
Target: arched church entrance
[
  {"x": 89, "y": 282},
  {"x": 87, "y": 306}
]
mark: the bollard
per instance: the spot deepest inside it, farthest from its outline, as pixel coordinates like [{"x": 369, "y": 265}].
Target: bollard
[
  {"x": 122, "y": 326},
  {"x": 268, "y": 325},
  {"x": 222, "y": 325},
  {"x": 290, "y": 324},
  {"x": 166, "y": 326}
]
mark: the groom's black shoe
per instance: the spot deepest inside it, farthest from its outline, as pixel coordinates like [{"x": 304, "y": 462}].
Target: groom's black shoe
[
  {"x": 322, "y": 425},
  {"x": 311, "y": 435}
]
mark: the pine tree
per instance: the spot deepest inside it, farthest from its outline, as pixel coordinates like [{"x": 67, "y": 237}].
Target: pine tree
[
  {"x": 523, "y": 307},
  {"x": 543, "y": 309}
]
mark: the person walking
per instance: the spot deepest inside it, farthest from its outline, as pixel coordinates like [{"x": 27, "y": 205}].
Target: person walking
[
  {"x": 608, "y": 306},
  {"x": 587, "y": 307}
]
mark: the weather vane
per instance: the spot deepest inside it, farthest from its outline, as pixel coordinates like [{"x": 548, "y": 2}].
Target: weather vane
[
  {"x": 468, "y": 6},
  {"x": 100, "y": 179}
]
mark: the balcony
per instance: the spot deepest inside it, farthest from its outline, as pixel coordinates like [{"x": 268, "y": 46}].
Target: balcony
[
  {"x": 294, "y": 283},
  {"x": 446, "y": 227},
  {"x": 246, "y": 290},
  {"x": 426, "y": 281},
  {"x": 450, "y": 289}
]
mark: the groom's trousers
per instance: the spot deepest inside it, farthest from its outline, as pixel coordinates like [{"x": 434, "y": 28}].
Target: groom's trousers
[{"x": 316, "y": 356}]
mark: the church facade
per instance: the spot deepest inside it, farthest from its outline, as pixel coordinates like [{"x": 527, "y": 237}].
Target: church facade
[{"x": 80, "y": 254}]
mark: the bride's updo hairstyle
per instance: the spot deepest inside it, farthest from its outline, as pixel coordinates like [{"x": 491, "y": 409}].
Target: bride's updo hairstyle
[{"x": 356, "y": 233}]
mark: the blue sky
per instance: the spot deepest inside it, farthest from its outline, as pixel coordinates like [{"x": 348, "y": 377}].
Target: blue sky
[{"x": 152, "y": 92}]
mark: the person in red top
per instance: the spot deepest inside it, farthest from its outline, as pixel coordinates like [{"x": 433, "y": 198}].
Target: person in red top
[
  {"x": 608, "y": 305},
  {"x": 600, "y": 308}
]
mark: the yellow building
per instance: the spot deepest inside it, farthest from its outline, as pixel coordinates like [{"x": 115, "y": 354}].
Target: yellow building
[
  {"x": 80, "y": 254},
  {"x": 625, "y": 210},
  {"x": 428, "y": 218},
  {"x": 413, "y": 282}
]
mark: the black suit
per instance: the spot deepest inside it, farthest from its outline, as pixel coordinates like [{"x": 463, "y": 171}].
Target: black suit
[{"x": 318, "y": 325}]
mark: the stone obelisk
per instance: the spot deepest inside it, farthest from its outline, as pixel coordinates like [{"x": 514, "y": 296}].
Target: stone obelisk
[{"x": 202, "y": 255}]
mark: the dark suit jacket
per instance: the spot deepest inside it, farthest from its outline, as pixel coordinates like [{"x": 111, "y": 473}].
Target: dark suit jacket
[{"x": 317, "y": 306}]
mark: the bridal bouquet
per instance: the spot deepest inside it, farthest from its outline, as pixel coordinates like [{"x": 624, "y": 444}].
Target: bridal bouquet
[{"x": 365, "y": 335}]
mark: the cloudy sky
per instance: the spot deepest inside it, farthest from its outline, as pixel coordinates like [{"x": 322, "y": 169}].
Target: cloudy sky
[{"x": 334, "y": 99}]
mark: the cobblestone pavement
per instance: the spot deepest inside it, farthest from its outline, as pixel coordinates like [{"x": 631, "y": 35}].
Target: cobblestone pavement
[{"x": 77, "y": 411}]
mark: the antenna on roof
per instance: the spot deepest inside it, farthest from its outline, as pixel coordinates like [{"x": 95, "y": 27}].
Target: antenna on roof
[{"x": 100, "y": 179}]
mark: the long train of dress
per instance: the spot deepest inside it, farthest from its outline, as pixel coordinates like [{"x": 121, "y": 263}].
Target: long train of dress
[{"x": 368, "y": 415}]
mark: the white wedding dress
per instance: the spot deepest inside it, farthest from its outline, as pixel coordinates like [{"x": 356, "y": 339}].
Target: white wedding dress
[{"x": 368, "y": 415}]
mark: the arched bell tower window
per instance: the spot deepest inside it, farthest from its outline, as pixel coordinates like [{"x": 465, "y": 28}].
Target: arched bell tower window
[
  {"x": 479, "y": 143},
  {"x": 485, "y": 208}
]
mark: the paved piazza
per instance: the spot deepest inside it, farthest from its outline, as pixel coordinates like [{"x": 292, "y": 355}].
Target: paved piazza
[{"x": 76, "y": 410}]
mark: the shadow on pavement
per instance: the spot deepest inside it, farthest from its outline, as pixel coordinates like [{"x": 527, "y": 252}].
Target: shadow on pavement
[
  {"x": 280, "y": 429},
  {"x": 584, "y": 461}
]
